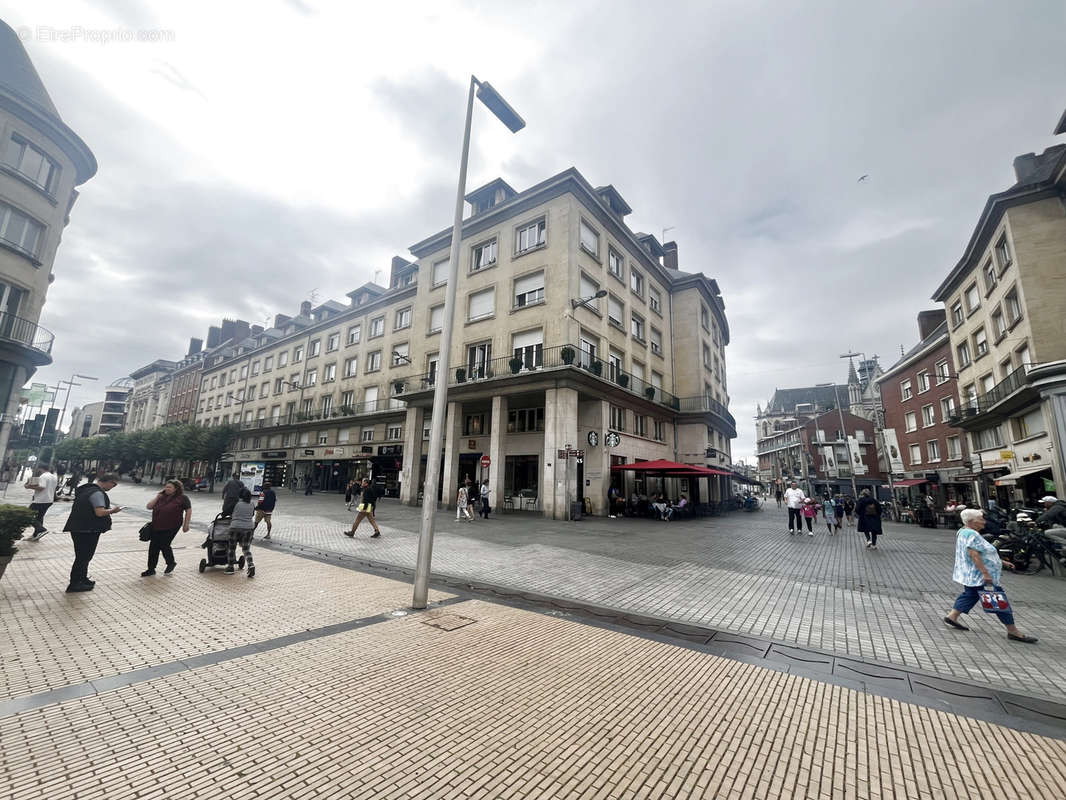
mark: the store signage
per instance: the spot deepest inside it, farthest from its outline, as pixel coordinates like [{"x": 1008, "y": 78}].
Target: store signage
[
  {"x": 309, "y": 452},
  {"x": 274, "y": 453},
  {"x": 594, "y": 438},
  {"x": 1006, "y": 455},
  {"x": 390, "y": 450},
  {"x": 568, "y": 453},
  {"x": 471, "y": 444},
  {"x": 612, "y": 439},
  {"x": 334, "y": 451},
  {"x": 932, "y": 477},
  {"x": 366, "y": 449}
]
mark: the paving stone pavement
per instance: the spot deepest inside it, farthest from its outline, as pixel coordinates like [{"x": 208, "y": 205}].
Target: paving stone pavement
[{"x": 742, "y": 573}]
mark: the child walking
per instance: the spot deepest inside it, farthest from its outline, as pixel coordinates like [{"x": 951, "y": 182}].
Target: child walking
[
  {"x": 242, "y": 523},
  {"x": 810, "y": 511}
]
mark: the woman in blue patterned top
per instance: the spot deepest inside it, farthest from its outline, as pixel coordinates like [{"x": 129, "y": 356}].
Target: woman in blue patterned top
[{"x": 977, "y": 564}]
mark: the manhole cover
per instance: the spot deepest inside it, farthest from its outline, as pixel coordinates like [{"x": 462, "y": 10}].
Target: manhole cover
[{"x": 448, "y": 622}]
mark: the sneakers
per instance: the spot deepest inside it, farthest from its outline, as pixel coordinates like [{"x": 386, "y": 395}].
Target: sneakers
[
  {"x": 170, "y": 568},
  {"x": 251, "y": 571},
  {"x": 148, "y": 572},
  {"x": 84, "y": 586},
  {"x": 39, "y": 535},
  {"x": 810, "y": 533},
  {"x": 376, "y": 535},
  {"x": 267, "y": 537},
  {"x": 349, "y": 534},
  {"x": 230, "y": 570},
  {"x": 791, "y": 532}
]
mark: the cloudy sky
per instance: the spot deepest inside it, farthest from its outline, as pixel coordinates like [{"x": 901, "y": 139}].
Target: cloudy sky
[{"x": 250, "y": 159}]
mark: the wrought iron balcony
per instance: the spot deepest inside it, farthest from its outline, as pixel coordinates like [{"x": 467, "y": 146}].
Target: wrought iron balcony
[{"x": 28, "y": 334}]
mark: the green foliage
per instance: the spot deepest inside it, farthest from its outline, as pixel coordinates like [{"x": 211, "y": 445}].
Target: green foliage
[
  {"x": 190, "y": 442},
  {"x": 13, "y": 521}
]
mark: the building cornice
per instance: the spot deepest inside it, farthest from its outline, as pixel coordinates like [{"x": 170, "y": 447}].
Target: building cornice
[
  {"x": 910, "y": 360},
  {"x": 60, "y": 133}
]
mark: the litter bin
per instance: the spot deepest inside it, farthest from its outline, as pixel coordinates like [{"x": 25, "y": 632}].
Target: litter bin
[{"x": 576, "y": 509}]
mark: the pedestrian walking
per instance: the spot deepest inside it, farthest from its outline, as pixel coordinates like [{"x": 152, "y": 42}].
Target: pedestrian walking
[
  {"x": 838, "y": 510},
  {"x": 348, "y": 493},
  {"x": 89, "y": 517},
  {"x": 849, "y": 509},
  {"x": 307, "y": 485},
  {"x": 810, "y": 512},
  {"x": 868, "y": 513},
  {"x": 828, "y": 513},
  {"x": 778, "y": 495},
  {"x": 484, "y": 493},
  {"x": 231, "y": 492},
  {"x": 265, "y": 508},
  {"x": 43, "y": 484},
  {"x": 794, "y": 500},
  {"x": 240, "y": 532},
  {"x": 977, "y": 565},
  {"x": 171, "y": 511},
  {"x": 462, "y": 503},
  {"x": 365, "y": 510}
]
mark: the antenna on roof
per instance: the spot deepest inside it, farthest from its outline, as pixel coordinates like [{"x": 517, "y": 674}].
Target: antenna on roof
[
  {"x": 672, "y": 227},
  {"x": 313, "y": 296}
]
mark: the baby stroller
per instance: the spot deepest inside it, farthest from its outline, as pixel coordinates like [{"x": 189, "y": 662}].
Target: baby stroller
[{"x": 217, "y": 545}]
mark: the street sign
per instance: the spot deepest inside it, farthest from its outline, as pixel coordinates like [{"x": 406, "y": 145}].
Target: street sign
[
  {"x": 485, "y": 461},
  {"x": 1006, "y": 455}
]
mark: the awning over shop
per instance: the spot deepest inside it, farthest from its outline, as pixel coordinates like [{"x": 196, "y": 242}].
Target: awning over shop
[
  {"x": 908, "y": 482},
  {"x": 1011, "y": 477},
  {"x": 668, "y": 468}
]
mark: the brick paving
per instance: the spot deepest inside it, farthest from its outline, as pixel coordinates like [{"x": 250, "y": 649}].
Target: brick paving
[
  {"x": 486, "y": 701},
  {"x": 742, "y": 573}
]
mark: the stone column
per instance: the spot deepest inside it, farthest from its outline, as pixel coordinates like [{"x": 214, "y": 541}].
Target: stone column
[
  {"x": 497, "y": 438},
  {"x": 452, "y": 431},
  {"x": 560, "y": 429},
  {"x": 410, "y": 481},
  {"x": 598, "y": 462}
]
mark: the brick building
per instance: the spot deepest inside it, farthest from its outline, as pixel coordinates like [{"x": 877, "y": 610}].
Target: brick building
[{"x": 919, "y": 394}]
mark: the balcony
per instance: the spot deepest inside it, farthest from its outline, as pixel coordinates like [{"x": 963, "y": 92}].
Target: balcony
[
  {"x": 1008, "y": 396},
  {"x": 337, "y": 414},
  {"x": 28, "y": 335}
]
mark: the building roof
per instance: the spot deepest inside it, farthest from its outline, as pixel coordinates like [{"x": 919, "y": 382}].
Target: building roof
[
  {"x": 159, "y": 365},
  {"x": 786, "y": 400},
  {"x": 932, "y": 341}
]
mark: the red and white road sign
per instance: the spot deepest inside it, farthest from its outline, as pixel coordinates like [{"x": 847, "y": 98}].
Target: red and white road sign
[{"x": 485, "y": 461}]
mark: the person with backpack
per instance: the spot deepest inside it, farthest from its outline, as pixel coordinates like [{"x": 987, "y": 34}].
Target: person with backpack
[
  {"x": 868, "y": 512},
  {"x": 265, "y": 508},
  {"x": 171, "y": 511},
  {"x": 89, "y": 517},
  {"x": 241, "y": 525}
]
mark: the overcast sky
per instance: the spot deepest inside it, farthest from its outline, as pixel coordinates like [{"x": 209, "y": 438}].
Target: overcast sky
[{"x": 254, "y": 158}]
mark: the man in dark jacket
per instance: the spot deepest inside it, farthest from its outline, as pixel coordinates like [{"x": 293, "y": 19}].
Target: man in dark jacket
[
  {"x": 230, "y": 493},
  {"x": 265, "y": 507},
  {"x": 1054, "y": 514},
  {"x": 89, "y": 517},
  {"x": 868, "y": 514}
]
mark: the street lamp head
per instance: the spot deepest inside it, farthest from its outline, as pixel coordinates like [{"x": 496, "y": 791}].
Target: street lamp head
[
  {"x": 500, "y": 107},
  {"x": 601, "y": 293},
  {"x": 87, "y": 377}
]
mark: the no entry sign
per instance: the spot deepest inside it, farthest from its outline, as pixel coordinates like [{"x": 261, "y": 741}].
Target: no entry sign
[{"x": 485, "y": 461}]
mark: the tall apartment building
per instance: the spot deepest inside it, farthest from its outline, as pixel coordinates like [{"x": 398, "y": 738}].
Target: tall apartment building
[
  {"x": 1005, "y": 300},
  {"x": 104, "y": 416},
  {"x": 920, "y": 396},
  {"x": 41, "y": 161},
  {"x": 540, "y": 364},
  {"x": 150, "y": 398}
]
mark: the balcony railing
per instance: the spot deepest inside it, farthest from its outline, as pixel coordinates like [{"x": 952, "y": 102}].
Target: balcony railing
[
  {"x": 318, "y": 415},
  {"x": 1006, "y": 387},
  {"x": 703, "y": 403},
  {"x": 26, "y": 333}
]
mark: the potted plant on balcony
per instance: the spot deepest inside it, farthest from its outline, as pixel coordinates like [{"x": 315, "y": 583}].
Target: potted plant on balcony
[
  {"x": 650, "y": 392},
  {"x": 596, "y": 366},
  {"x": 347, "y": 411},
  {"x": 398, "y": 387},
  {"x": 567, "y": 355},
  {"x": 623, "y": 380},
  {"x": 460, "y": 375},
  {"x": 13, "y": 521},
  {"x": 515, "y": 364}
]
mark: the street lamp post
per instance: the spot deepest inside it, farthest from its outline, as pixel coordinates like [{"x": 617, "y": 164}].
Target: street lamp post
[
  {"x": 70, "y": 385},
  {"x": 507, "y": 115}
]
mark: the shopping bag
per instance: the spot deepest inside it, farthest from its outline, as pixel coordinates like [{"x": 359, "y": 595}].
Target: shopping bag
[{"x": 994, "y": 601}]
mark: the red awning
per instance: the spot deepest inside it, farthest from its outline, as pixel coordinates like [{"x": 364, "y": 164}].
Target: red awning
[
  {"x": 667, "y": 468},
  {"x": 909, "y": 482}
]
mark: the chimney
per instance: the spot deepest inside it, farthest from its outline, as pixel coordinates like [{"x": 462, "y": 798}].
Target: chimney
[
  {"x": 280, "y": 320},
  {"x": 256, "y": 330},
  {"x": 670, "y": 257},
  {"x": 241, "y": 330},
  {"x": 195, "y": 346},
  {"x": 929, "y": 321},
  {"x": 305, "y": 308},
  {"x": 229, "y": 326},
  {"x": 1024, "y": 167},
  {"x": 214, "y": 337}
]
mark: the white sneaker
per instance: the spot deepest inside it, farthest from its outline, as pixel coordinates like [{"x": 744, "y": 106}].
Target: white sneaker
[
  {"x": 38, "y": 536},
  {"x": 810, "y": 533}
]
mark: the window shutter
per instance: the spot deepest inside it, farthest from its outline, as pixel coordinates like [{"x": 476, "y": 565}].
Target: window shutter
[
  {"x": 440, "y": 272},
  {"x": 482, "y": 303},
  {"x": 614, "y": 308},
  {"x": 587, "y": 288},
  {"x": 528, "y": 339},
  {"x": 529, "y": 283},
  {"x": 436, "y": 318}
]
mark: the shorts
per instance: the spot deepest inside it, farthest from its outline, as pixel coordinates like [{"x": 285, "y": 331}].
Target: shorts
[
  {"x": 261, "y": 515},
  {"x": 365, "y": 508}
]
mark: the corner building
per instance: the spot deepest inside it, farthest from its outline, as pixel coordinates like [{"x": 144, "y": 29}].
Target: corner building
[{"x": 539, "y": 363}]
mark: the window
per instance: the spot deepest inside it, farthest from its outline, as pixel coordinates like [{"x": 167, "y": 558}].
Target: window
[
  {"x": 528, "y": 347},
  {"x": 988, "y": 439},
  {"x": 659, "y": 431},
  {"x": 656, "y": 341},
  {"x": 999, "y": 330},
  {"x": 614, "y": 262},
  {"x": 911, "y": 421},
  {"x": 615, "y": 311},
  {"x": 970, "y": 393},
  {"x": 314, "y": 348},
  {"x": 370, "y": 398},
  {"x": 655, "y": 302},
  {"x": 348, "y": 399},
  {"x": 440, "y": 273},
  {"x": 294, "y": 381},
  {"x": 973, "y": 298},
  {"x": 928, "y": 416},
  {"x": 636, "y": 282},
  {"x": 705, "y": 318},
  {"x": 1024, "y": 358},
  {"x": 1003, "y": 255},
  {"x": 932, "y": 449},
  {"x": 954, "y": 447},
  {"x": 586, "y": 290},
  {"x": 916, "y": 453},
  {"x": 638, "y": 373},
  {"x": 615, "y": 360},
  {"x": 1014, "y": 308},
  {"x": 474, "y": 425},
  {"x": 590, "y": 240},
  {"x": 279, "y": 385},
  {"x": 309, "y": 407},
  {"x": 963, "y": 354},
  {"x": 283, "y": 359},
  {"x": 351, "y": 367},
  {"x": 618, "y": 418},
  {"x": 436, "y": 319},
  {"x": 957, "y": 317},
  {"x": 525, "y": 420},
  {"x": 991, "y": 277},
  {"x": 311, "y": 377},
  {"x": 264, "y": 389},
  {"x": 377, "y": 327},
  {"x": 366, "y": 435},
  {"x": 1006, "y": 367},
  {"x": 393, "y": 432},
  {"x": 482, "y": 304},
  {"x": 947, "y": 407},
  {"x": 905, "y": 392},
  {"x": 478, "y": 357},
  {"x": 344, "y": 435},
  {"x": 32, "y": 164},
  {"x": 333, "y": 342},
  {"x": 354, "y": 334},
  {"x": 403, "y": 319},
  {"x": 401, "y": 354},
  {"x": 255, "y": 368},
  {"x": 923, "y": 381},
  {"x": 244, "y": 371},
  {"x": 1028, "y": 424},
  {"x": 298, "y": 355},
  {"x": 327, "y": 406},
  {"x": 640, "y": 425},
  {"x": 484, "y": 255},
  {"x": 636, "y": 326},
  {"x": 373, "y": 361},
  {"x": 329, "y": 372},
  {"x": 589, "y": 347},
  {"x": 988, "y": 383},
  {"x": 706, "y": 356},
  {"x": 268, "y": 363},
  {"x": 530, "y": 236},
  {"x": 529, "y": 289},
  {"x": 980, "y": 343}
]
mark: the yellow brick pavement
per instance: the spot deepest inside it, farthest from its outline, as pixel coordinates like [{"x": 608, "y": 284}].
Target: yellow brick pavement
[{"x": 515, "y": 705}]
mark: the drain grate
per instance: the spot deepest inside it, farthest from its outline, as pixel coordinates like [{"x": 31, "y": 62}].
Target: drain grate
[{"x": 448, "y": 622}]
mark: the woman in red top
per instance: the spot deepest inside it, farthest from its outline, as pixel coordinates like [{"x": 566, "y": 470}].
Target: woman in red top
[{"x": 171, "y": 510}]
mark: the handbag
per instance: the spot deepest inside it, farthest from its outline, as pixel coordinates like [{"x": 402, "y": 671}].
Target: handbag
[
  {"x": 993, "y": 601},
  {"x": 145, "y": 533}
]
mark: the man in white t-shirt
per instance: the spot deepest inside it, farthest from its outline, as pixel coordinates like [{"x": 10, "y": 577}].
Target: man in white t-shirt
[
  {"x": 794, "y": 500},
  {"x": 44, "y": 494}
]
